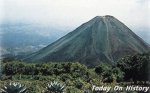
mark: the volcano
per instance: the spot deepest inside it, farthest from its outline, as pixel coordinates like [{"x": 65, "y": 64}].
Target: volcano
[{"x": 103, "y": 39}]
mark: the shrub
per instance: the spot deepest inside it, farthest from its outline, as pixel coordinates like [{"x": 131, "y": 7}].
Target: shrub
[
  {"x": 55, "y": 87},
  {"x": 136, "y": 67},
  {"x": 109, "y": 73},
  {"x": 14, "y": 88}
]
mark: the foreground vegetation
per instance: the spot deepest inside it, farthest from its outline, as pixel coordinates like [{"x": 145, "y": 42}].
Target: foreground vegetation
[{"x": 76, "y": 77}]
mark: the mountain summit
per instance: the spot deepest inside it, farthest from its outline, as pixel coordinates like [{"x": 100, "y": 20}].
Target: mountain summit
[{"x": 103, "y": 39}]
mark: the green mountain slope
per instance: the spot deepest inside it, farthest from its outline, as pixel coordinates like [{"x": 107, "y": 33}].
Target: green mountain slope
[{"x": 103, "y": 39}]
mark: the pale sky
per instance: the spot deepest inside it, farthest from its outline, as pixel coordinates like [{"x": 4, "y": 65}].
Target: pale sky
[{"x": 72, "y": 13}]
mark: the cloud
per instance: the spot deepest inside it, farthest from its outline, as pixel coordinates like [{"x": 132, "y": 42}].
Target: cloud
[
  {"x": 134, "y": 13},
  {"x": 72, "y": 13}
]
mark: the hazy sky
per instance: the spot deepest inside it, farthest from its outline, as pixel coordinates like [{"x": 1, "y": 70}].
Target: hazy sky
[{"x": 134, "y": 13}]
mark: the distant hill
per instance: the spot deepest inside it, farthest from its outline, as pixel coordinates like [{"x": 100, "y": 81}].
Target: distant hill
[
  {"x": 103, "y": 39},
  {"x": 23, "y": 38}
]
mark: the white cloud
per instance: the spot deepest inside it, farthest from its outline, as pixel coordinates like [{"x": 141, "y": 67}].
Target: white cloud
[{"x": 134, "y": 13}]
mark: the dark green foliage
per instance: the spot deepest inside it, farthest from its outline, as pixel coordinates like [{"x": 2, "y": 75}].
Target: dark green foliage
[
  {"x": 8, "y": 59},
  {"x": 65, "y": 77},
  {"x": 102, "y": 68},
  {"x": 14, "y": 88},
  {"x": 136, "y": 67},
  {"x": 118, "y": 74},
  {"x": 109, "y": 73},
  {"x": 14, "y": 68},
  {"x": 37, "y": 75},
  {"x": 79, "y": 84},
  {"x": 77, "y": 77}
]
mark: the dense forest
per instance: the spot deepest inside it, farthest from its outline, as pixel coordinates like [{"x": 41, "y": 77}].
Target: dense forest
[{"x": 73, "y": 77}]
